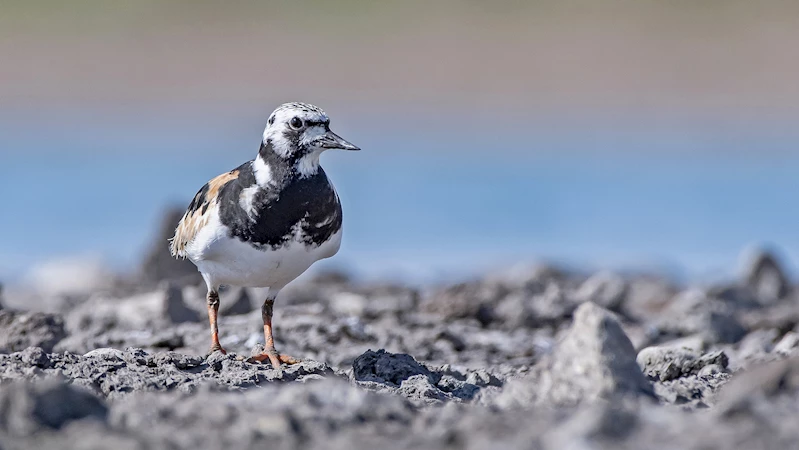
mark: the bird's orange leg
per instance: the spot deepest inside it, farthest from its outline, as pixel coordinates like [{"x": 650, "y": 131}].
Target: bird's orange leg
[
  {"x": 213, "y": 310},
  {"x": 269, "y": 347}
]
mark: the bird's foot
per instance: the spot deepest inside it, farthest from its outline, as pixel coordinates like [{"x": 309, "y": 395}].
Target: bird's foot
[
  {"x": 216, "y": 347},
  {"x": 274, "y": 357}
]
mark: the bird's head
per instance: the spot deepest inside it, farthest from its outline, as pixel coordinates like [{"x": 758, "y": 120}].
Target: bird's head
[{"x": 298, "y": 133}]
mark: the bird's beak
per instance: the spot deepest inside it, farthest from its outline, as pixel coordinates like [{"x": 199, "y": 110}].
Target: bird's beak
[{"x": 332, "y": 140}]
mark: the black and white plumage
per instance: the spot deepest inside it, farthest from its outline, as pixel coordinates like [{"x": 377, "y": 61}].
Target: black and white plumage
[{"x": 264, "y": 223}]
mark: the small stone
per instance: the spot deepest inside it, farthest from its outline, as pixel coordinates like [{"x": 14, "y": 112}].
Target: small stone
[
  {"x": 215, "y": 360},
  {"x": 482, "y": 378},
  {"x": 665, "y": 363},
  {"x": 258, "y": 349},
  {"x": 35, "y": 356},
  {"x": 308, "y": 367},
  {"x": 106, "y": 354},
  {"x": 419, "y": 389},
  {"x": 179, "y": 360},
  {"x": 136, "y": 356},
  {"x": 711, "y": 370}
]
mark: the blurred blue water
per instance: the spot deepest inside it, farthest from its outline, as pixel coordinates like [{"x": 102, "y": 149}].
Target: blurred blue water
[{"x": 424, "y": 204}]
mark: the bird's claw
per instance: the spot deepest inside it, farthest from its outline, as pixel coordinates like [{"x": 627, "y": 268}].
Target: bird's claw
[
  {"x": 274, "y": 358},
  {"x": 217, "y": 348}
]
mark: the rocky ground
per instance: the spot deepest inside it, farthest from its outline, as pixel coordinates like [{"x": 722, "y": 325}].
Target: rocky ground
[{"x": 536, "y": 358}]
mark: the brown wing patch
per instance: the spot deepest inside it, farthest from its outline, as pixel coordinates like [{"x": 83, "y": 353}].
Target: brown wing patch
[{"x": 198, "y": 213}]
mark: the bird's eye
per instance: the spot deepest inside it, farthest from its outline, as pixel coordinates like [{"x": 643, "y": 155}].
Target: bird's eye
[{"x": 295, "y": 123}]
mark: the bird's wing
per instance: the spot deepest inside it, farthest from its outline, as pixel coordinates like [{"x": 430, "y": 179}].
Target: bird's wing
[{"x": 199, "y": 212}]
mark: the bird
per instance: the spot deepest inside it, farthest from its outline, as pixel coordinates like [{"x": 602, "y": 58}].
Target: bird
[{"x": 266, "y": 222}]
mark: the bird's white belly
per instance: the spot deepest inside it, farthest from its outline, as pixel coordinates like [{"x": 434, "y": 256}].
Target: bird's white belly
[{"x": 228, "y": 261}]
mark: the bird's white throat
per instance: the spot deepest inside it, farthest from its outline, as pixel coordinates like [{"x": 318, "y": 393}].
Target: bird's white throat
[{"x": 309, "y": 164}]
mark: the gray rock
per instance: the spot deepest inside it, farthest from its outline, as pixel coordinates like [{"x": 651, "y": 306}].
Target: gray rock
[
  {"x": 685, "y": 376},
  {"x": 348, "y": 303},
  {"x": 29, "y": 329},
  {"x": 173, "y": 307},
  {"x": 712, "y": 370},
  {"x": 154, "y": 337},
  {"x": 754, "y": 348},
  {"x": 115, "y": 373},
  {"x": 605, "y": 289},
  {"x": 104, "y": 315},
  {"x": 401, "y": 374},
  {"x": 356, "y": 329},
  {"x": 752, "y": 390},
  {"x": 692, "y": 312},
  {"x": 739, "y": 297},
  {"x": 668, "y": 363},
  {"x": 34, "y": 356},
  {"x": 418, "y": 388},
  {"x": 107, "y": 354},
  {"x": 647, "y": 297},
  {"x": 765, "y": 276},
  {"x": 595, "y": 359},
  {"x": 181, "y": 361},
  {"x": 531, "y": 277},
  {"x": 467, "y": 300},
  {"x": 488, "y": 376},
  {"x": 323, "y": 414},
  {"x": 388, "y": 368},
  {"x": 782, "y": 316},
  {"x": 482, "y": 378},
  {"x": 722, "y": 328},
  {"x": 27, "y": 408},
  {"x": 536, "y": 307},
  {"x": 788, "y": 344},
  {"x": 600, "y": 423}
]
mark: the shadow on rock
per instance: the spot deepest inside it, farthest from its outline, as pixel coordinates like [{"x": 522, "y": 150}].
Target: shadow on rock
[
  {"x": 383, "y": 367},
  {"x": 401, "y": 374}
]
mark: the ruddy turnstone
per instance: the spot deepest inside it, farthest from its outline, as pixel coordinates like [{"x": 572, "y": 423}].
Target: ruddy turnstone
[{"x": 264, "y": 223}]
